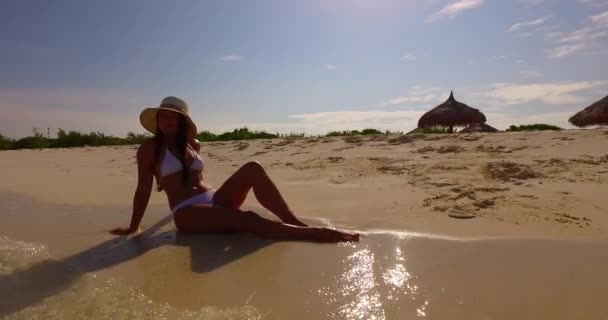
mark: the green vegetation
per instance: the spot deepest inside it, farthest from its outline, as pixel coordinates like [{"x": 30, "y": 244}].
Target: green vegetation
[
  {"x": 71, "y": 139},
  {"x": 431, "y": 130},
  {"x": 533, "y": 127},
  {"x": 358, "y": 133},
  {"x": 236, "y": 134},
  {"x": 5, "y": 143}
]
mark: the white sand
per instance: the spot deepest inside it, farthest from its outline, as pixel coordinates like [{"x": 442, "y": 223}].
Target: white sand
[{"x": 358, "y": 182}]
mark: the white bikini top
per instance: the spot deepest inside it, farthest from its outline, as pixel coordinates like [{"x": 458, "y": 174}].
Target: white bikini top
[{"x": 171, "y": 164}]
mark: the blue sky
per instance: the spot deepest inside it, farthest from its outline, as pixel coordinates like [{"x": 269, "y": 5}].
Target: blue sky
[{"x": 297, "y": 66}]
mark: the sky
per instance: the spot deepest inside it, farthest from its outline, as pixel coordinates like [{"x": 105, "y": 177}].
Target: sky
[{"x": 307, "y": 66}]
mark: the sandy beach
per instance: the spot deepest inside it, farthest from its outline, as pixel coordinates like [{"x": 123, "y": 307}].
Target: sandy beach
[{"x": 535, "y": 245}]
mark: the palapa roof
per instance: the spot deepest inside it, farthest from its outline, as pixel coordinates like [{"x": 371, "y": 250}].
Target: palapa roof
[
  {"x": 451, "y": 113},
  {"x": 478, "y": 127},
  {"x": 595, "y": 114}
]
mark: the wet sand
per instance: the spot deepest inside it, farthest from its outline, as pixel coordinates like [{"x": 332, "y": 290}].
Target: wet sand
[{"x": 65, "y": 266}]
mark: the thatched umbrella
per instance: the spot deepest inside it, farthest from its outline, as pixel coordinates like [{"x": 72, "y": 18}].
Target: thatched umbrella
[
  {"x": 595, "y": 114},
  {"x": 451, "y": 113},
  {"x": 478, "y": 127}
]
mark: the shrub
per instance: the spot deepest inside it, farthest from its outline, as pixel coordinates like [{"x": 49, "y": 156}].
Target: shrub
[
  {"x": 533, "y": 127},
  {"x": 354, "y": 133},
  {"x": 6, "y": 143},
  {"x": 432, "y": 130},
  {"x": 245, "y": 134}
]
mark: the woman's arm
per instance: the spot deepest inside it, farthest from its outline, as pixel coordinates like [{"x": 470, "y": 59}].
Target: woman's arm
[
  {"x": 145, "y": 177},
  {"x": 196, "y": 145}
]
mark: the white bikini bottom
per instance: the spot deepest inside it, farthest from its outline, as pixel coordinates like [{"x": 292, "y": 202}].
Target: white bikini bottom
[{"x": 203, "y": 198}]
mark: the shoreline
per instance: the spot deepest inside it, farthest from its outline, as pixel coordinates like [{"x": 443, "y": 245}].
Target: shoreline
[{"x": 80, "y": 217}]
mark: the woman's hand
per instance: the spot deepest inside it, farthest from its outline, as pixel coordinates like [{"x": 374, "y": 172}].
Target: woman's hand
[
  {"x": 123, "y": 231},
  {"x": 145, "y": 165}
]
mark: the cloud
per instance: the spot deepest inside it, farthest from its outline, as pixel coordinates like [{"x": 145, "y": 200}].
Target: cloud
[
  {"x": 503, "y": 120},
  {"x": 231, "y": 57},
  {"x": 331, "y": 67},
  {"x": 523, "y": 29},
  {"x": 587, "y": 37},
  {"x": 408, "y": 57},
  {"x": 552, "y": 93},
  {"x": 323, "y": 122},
  {"x": 499, "y": 57},
  {"x": 418, "y": 95},
  {"x": 600, "y": 19},
  {"x": 497, "y": 96},
  {"x": 565, "y": 50},
  {"x": 524, "y": 24},
  {"x": 453, "y": 9},
  {"x": 582, "y": 35}
]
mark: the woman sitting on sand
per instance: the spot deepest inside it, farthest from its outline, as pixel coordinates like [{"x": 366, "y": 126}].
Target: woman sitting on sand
[{"x": 172, "y": 156}]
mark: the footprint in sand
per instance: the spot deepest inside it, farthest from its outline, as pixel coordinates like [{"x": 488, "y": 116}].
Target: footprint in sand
[
  {"x": 343, "y": 148},
  {"x": 491, "y": 149},
  {"x": 279, "y": 144},
  {"x": 425, "y": 149},
  {"x": 403, "y": 139},
  {"x": 383, "y": 159},
  {"x": 450, "y": 149},
  {"x": 353, "y": 139},
  {"x": 460, "y": 214},
  {"x": 432, "y": 138},
  {"x": 505, "y": 171},
  {"x": 301, "y": 152},
  {"x": 259, "y": 153},
  {"x": 313, "y": 140},
  {"x": 377, "y": 138},
  {"x": 336, "y": 159},
  {"x": 242, "y": 146},
  {"x": 470, "y": 138},
  {"x": 392, "y": 170},
  {"x": 437, "y": 168}
]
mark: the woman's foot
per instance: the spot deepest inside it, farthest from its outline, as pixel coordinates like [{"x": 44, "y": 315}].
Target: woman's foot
[{"x": 331, "y": 235}]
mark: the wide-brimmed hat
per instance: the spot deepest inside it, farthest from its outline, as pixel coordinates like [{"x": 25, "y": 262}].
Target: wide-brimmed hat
[{"x": 148, "y": 116}]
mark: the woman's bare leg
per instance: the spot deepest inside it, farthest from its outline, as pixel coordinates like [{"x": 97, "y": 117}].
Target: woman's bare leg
[
  {"x": 233, "y": 192},
  {"x": 204, "y": 218}
]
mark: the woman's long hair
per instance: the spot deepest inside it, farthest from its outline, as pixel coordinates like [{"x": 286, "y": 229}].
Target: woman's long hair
[{"x": 181, "y": 144}]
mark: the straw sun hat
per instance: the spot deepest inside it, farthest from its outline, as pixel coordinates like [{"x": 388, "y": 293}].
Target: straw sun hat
[{"x": 148, "y": 116}]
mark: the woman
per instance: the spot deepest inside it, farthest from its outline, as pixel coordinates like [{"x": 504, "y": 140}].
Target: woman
[{"x": 172, "y": 156}]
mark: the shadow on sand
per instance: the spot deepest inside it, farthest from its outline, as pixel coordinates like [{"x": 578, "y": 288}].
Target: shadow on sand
[{"x": 33, "y": 284}]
